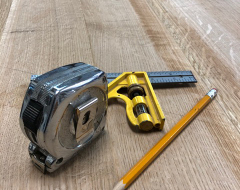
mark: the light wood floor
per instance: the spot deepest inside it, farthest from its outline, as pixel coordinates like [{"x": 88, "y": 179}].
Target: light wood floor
[{"x": 128, "y": 35}]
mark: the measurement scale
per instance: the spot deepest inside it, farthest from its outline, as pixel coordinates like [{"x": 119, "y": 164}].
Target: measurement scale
[{"x": 163, "y": 77}]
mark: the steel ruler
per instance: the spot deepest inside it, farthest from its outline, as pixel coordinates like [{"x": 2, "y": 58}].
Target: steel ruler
[{"x": 163, "y": 77}]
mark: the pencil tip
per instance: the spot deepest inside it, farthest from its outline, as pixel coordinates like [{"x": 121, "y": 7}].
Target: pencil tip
[{"x": 119, "y": 186}]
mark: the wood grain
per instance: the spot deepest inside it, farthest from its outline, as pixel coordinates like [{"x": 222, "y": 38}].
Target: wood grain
[
  {"x": 5, "y": 6},
  {"x": 127, "y": 35}
]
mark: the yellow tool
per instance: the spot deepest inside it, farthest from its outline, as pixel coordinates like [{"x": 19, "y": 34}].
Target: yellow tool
[
  {"x": 142, "y": 107},
  {"x": 157, "y": 149}
]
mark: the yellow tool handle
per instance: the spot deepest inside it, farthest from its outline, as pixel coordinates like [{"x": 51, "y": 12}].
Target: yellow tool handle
[
  {"x": 157, "y": 149},
  {"x": 143, "y": 110}
]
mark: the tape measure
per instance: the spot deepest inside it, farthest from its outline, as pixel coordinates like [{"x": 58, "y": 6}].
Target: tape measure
[{"x": 163, "y": 77}]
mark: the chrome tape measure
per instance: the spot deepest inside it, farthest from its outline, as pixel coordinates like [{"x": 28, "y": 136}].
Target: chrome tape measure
[{"x": 63, "y": 110}]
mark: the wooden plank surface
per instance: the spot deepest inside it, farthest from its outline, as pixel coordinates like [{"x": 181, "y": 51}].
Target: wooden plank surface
[
  {"x": 4, "y": 10},
  {"x": 118, "y": 36}
]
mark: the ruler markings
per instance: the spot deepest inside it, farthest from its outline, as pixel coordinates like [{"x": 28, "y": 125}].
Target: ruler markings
[{"x": 162, "y": 77}]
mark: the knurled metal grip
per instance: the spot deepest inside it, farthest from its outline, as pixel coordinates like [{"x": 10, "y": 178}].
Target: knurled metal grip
[{"x": 63, "y": 110}]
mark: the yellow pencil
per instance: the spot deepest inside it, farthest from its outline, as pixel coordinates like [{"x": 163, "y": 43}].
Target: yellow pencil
[{"x": 156, "y": 150}]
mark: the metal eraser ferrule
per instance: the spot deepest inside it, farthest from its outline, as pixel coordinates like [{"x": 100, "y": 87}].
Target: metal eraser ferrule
[{"x": 212, "y": 93}]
